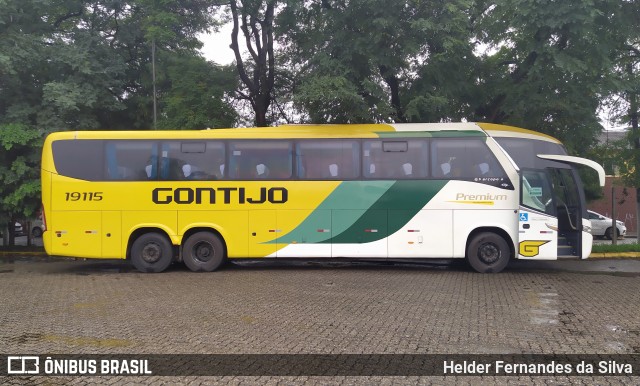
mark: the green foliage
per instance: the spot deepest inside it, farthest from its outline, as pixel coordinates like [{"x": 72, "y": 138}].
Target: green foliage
[
  {"x": 379, "y": 63},
  {"x": 85, "y": 65},
  {"x": 539, "y": 64},
  {"x": 620, "y": 248},
  {"x": 19, "y": 172},
  {"x": 624, "y": 158},
  {"x": 547, "y": 69},
  {"x": 194, "y": 94}
]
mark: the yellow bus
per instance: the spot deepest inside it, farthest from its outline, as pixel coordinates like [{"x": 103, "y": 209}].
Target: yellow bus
[{"x": 483, "y": 192}]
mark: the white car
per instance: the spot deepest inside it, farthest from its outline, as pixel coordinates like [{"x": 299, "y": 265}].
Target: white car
[
  {"x": 601, "y": 226},
  {"x": 37, "y": 228}
]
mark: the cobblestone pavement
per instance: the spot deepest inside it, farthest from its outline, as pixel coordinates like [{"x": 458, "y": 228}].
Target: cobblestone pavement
[{"x": 97, "y": 307}]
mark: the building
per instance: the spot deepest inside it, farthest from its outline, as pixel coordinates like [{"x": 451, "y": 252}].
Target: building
[{"x": 625, "y": 196}]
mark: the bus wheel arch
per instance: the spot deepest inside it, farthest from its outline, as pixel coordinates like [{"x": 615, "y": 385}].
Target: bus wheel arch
[
  {"x": 203, "y": 249},
  {"x": 150, "y": 250},
  {"x": 489, "y": 250}
]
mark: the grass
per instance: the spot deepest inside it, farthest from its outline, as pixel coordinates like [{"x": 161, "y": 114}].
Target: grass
[{"x": 608, "y": 248}]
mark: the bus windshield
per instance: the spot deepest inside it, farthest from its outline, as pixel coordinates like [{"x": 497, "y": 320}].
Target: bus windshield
[{"x": 524, "y": 152}]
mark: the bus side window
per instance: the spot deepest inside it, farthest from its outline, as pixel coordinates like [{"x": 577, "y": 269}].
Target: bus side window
[
  {"x": 328, "y": 159},
  {"x": 192, "y": 160},
  {"x": 129, "y": 160},
  {"x": 253, "y": 159},
  {"x": 463, "y": 158},
  {"x": 395, "y": 159}
]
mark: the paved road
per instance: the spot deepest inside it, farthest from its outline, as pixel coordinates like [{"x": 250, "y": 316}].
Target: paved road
[{"x": 74, "y": 306}]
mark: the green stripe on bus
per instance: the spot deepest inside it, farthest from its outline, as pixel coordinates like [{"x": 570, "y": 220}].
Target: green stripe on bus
[
  {"x": 347, "y": 196},
  {"x": 404, "y": 199}
]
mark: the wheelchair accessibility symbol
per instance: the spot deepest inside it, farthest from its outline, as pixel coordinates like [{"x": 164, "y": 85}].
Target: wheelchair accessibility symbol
[{"x": 524, "y": 216}]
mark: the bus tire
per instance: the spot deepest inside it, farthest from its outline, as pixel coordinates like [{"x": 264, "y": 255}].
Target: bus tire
[
  {"x": 203, "y": 252},
  {"x": 488, "y": 252},
  {"x": 151, "y": 252}
]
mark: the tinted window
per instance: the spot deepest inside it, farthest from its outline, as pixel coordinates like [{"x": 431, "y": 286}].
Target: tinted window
[
  {"x": 82, "y": 159},
  {"x": 463, "y": 158},
  {"x": 131, "y": 160},
  {"x": 260, "y": 160},
  {"x": 395, "y": 159},
  {"x": 192, "y": 160},
  {"x": 329, "y": 159}
]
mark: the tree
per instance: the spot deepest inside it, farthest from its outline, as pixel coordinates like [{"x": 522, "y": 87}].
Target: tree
[
  {"x": 81, "y": 65},
  {"x": 194, "y": 93},
  {"x": 24, "y": 50},
  {"x": 255, "y": 19},
  {"x": 546, "y": 69},
  {"x": 363, "y": 60},
  {"x": 19, "y": 173}
]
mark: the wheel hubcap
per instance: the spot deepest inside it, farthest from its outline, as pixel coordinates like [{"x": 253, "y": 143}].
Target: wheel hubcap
[
  {"x": 203, "y": 252},
  {"x": 489, "y": 253},
  {"x": 151, "y": 253}
]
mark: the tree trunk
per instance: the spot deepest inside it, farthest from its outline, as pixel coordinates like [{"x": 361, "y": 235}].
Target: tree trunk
[
  {"x": 394, "y": 88},
  {"x": 260, "y": 110},
  {"x": 258, "y": 35},
  {"x": 11, "y": 230}
]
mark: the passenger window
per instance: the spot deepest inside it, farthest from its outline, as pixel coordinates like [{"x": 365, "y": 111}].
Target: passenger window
[
  {"x": 260, "y": 160},
  {"x": 81, "y": 159},
  {"x": 192, "y": 160},
  {"x": 328, "y": 159},
  {"x": 453, "y": 158},
  {"x": 395, "y": 159},
  {"x": 131, "y": 160}
]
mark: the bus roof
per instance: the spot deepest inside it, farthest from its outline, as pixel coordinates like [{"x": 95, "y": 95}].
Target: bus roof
[{"x": 460, "y": 129}]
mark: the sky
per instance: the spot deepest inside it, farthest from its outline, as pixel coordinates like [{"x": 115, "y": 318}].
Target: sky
[{"x": 216, "y": 45}]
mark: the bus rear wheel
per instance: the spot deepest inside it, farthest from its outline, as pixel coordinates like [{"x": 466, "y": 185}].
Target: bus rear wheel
[
  {"x": 151, "y": 252},
  {"x": 203, "y": 252},
  {"x": 488, "y": 252}
]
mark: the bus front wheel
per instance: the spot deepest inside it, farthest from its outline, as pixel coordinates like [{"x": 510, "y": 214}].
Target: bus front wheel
[
  {"x": 203, "y": 251},
  {"x": 488, "y": 252},
  {"x": 151, "y": 252}
]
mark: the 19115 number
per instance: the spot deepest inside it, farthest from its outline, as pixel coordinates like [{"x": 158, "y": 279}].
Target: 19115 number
[{"x": 83, "y": 196}]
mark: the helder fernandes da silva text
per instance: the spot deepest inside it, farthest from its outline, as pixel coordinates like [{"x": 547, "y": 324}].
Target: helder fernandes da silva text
[{"x": 554, "y": 367}]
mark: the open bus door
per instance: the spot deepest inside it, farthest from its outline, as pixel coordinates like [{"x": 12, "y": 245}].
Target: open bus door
[
  {"x": 538, "y": 223},
  {"x": 552, "y": 206},
  {"x": 569, "y": 208}
]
